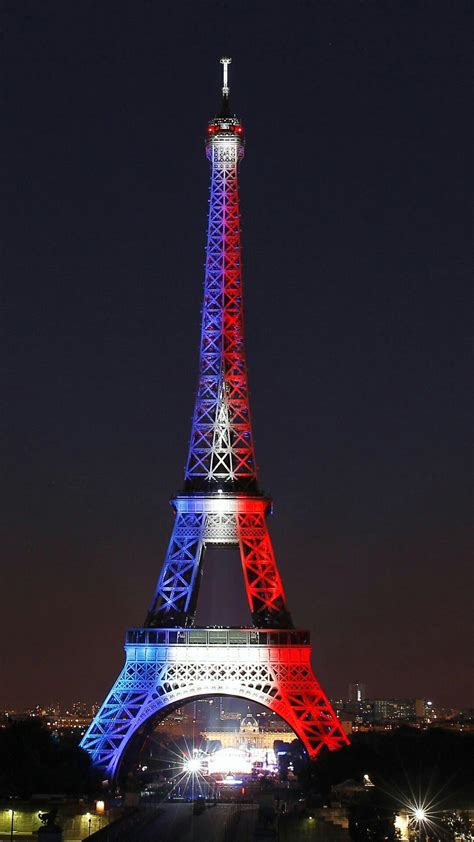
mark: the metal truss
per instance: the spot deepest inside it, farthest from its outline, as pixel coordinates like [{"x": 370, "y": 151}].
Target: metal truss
[
  {"x": 199, "y": 662},
  {"x": 223, "y": 519},
  {"x": 169, "y": 661},
  {"x": 221, "y": 452}
]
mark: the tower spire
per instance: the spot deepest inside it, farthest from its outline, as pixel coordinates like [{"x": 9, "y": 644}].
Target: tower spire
[
  {"x": 225, "y": 109},
  {"x": 225, "y": 65}
]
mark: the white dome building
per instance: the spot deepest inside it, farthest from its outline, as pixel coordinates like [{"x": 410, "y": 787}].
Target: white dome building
[{"x": 249, "y": 725}]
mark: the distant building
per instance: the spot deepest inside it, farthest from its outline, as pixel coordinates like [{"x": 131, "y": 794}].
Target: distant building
[
  {"x": 251, "y": 733},
  {"x": 420, "y": 708},
  {"x": 356, "y": 693},
  {"x": 249, "y": 725},
  {"x": 248, "y": 734},
  {"x": 346, "y": 723},
  {"x": 394, "y": 710}
]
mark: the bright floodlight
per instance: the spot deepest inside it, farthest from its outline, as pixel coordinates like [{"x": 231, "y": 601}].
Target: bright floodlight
[
  {"x": 420, "y": 814},
  {"x": 232, "y": 760},
  {"x": 192, "y": 765}
]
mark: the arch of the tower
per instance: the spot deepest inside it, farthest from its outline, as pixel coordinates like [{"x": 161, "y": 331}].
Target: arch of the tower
[
  {"x": 136, "y": 740},
  {"x": 152, "y": 682},
  {"x": 110, "y": 747}
]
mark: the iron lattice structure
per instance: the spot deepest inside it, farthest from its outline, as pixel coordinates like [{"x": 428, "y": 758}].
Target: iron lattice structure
[
  {"x": 224, "y": 519},
  {"x": 169, "y": 661},
  {"x": 221, "y": 453},
  {"x": 165, "y": 668}
]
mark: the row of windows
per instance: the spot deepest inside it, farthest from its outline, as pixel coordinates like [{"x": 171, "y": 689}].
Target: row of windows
[{"x": 218, "y": 637}]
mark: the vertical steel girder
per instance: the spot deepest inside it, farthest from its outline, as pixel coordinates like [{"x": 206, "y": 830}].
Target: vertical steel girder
[{"x": 221, "y": 452}]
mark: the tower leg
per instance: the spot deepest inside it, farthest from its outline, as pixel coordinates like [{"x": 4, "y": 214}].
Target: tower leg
[
  {"x": 262, "y": 579},
  {"x": 311, "y": 716},
  {"x": 176, "y": 594}
]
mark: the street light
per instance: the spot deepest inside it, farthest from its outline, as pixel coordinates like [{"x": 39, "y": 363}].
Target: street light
[
  {"x": 89, "y": 821},
  {"x": 419, "y": 815},
  {"x": 192, "y": 765},
  {"x": 12, "y": 813},
  {"x": 100, "y": 810}
]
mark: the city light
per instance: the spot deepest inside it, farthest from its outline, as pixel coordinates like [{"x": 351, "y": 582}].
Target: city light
[
  {"x": 422, "y": 813},
  {"x": 192, "y": 765},
  {"x": 231, "y": 760},
  {"x": 229, "y": 780}
]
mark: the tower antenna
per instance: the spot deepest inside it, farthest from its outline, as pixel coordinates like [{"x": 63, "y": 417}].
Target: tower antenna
[
  {"x": 225, "y": 65},
  {"x": 170, "y": 660}
]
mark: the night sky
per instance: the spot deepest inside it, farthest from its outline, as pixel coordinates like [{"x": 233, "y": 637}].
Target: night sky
[{"x": 355, "y": 214}]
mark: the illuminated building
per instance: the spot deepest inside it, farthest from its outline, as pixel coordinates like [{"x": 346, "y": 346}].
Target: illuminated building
[
  {"x": 356, "y": 693},
  {"x": 248, "y": 735},
  {"x": 393, "y": 710},
  {"x": 170, "y": 661}
]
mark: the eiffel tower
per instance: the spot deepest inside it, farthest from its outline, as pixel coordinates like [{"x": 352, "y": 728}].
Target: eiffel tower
[{"x": 170, "y": 661}]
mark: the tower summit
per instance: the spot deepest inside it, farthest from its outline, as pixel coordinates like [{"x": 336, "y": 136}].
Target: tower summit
[{"x": 169, "y": 660}]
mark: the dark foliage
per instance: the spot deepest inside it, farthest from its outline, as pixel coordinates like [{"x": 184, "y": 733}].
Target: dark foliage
[
  {"x": 434, "y": 761},
  {"x": 287, "y": 753},
  {"x": 33, "y": 760},
  {"x": 370, "y": 821}
]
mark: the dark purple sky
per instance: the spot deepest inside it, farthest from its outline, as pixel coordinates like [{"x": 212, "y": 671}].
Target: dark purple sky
[{"x": 355, "y": 199}]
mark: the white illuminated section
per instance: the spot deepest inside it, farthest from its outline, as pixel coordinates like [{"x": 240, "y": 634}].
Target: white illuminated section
[
  {"x": 401, "y": 824},
  {"x": 230, "y": 761},
  {"x": 225, "y": 66}
]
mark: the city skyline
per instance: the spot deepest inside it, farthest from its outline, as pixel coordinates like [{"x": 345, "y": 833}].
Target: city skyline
[
  {"x": 355, "y": 265},
  {"x": 50, "y": 705}
]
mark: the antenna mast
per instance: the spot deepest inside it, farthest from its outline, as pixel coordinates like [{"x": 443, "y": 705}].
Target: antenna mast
[{"x": 225, "y": 65}]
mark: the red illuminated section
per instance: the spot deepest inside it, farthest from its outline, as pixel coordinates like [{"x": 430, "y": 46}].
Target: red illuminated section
[
  {"x": 301, "y": 702},
  {"x": 262, "y": 580},
  {"x": 224, "y": 126}
]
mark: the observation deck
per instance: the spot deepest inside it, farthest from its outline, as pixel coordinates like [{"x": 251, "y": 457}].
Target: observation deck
[{"x": 217, "y": 636}]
